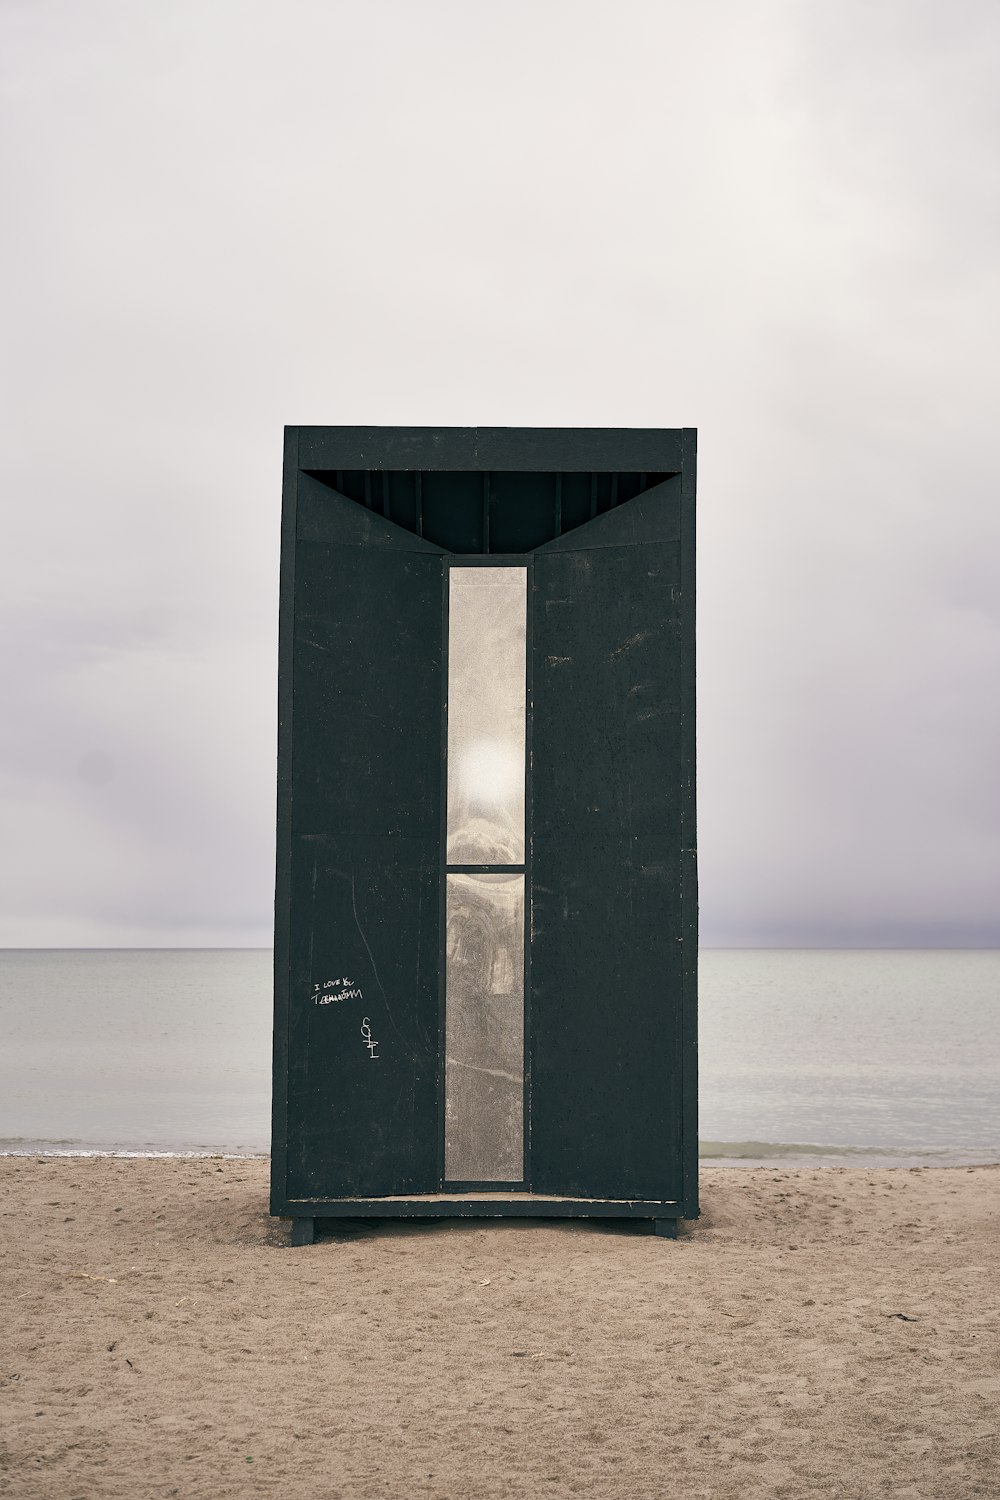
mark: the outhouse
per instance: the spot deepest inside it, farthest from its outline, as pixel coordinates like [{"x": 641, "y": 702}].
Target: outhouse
[{"x": 486, "y": 906}]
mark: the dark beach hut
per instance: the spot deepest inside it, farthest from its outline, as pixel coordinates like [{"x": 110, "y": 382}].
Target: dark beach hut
[{"x": 486, "y": 906}]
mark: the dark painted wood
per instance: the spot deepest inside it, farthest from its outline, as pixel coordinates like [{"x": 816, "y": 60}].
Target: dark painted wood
[
  {"x": 461, "y": 1206},
  {"x": 665, "y": 1228},
  {"x": 324, "y": 514},
  {"x": 687, "y": 800},
  {"x": 607, "y": 692},
  {"x": 471, "y": 512},
  {"x": 607, "y": 955},
  {"x": 368, "y": 687},
  {"x": 611, "y": 1088},
  {"x": 654, "y": 516},
  {"x": 282, "y": 884},
  {"x": 528, "y": 450},
  {"x": 605, "y": 1007},
  {"x": 524, "y": 507},
  {"x": 363, "y": 1119},
  {"x": 358, "y": 858},
  {"x": 303, "y": 1231},
  {"x": 453, "y": 510}
]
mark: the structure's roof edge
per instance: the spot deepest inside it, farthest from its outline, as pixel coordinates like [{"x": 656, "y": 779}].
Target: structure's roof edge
[{"x": 566, "y": 449}]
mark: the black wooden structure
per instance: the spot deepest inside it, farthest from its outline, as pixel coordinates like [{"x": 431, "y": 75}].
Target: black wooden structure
[{"x": 486, "y": 905}]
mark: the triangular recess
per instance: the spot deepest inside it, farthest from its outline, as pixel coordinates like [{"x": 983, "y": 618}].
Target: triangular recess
[
  {"x": 653, "y": 516},
  {"x": 325, "y": 515},
  {"x": 476, "y": 512}
]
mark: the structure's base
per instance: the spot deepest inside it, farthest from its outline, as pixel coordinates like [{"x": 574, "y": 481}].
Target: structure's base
[
  {"x": 303, "y": 1231},
  {"x": 663, "y": 1217}
]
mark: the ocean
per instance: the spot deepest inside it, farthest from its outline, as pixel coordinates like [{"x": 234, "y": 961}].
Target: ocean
[{"x": 808, "y": 1056}]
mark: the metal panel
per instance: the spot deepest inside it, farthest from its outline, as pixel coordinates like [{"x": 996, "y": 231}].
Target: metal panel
[
  {"x": 484, "y": 1055},
  {"x": 607, "y": 957}
]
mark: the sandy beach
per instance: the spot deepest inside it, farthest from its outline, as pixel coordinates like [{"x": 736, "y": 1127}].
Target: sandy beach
[{"x": 824, "y": 1332}]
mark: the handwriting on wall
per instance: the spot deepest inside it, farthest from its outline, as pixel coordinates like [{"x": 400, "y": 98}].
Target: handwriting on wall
[
  {"x": 366, "y": 1032},
  {"x": 332, "y": 990}
]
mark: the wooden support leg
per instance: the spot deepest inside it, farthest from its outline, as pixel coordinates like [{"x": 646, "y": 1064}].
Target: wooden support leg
[
  {"x": 665, "y": 1228},
  {"x": 303, "y": 1231}
]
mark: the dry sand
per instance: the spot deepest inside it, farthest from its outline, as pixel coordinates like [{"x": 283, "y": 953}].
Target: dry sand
[{"x": 818, "y": 1332}]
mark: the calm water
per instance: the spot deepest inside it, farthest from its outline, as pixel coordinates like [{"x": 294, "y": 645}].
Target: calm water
[{"x": 839, "y": 1056}]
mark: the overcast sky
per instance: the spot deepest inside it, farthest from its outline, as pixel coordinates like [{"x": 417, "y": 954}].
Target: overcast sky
[{"x": 774, "y": 221}]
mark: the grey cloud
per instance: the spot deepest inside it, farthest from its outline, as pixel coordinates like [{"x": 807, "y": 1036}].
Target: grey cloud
[{"x": 223, "y": 217}]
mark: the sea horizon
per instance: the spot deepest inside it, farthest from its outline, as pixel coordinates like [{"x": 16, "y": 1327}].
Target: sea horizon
[
  {"x": 820, "y": 1057},
  {"x": 702, "y": 948}
]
